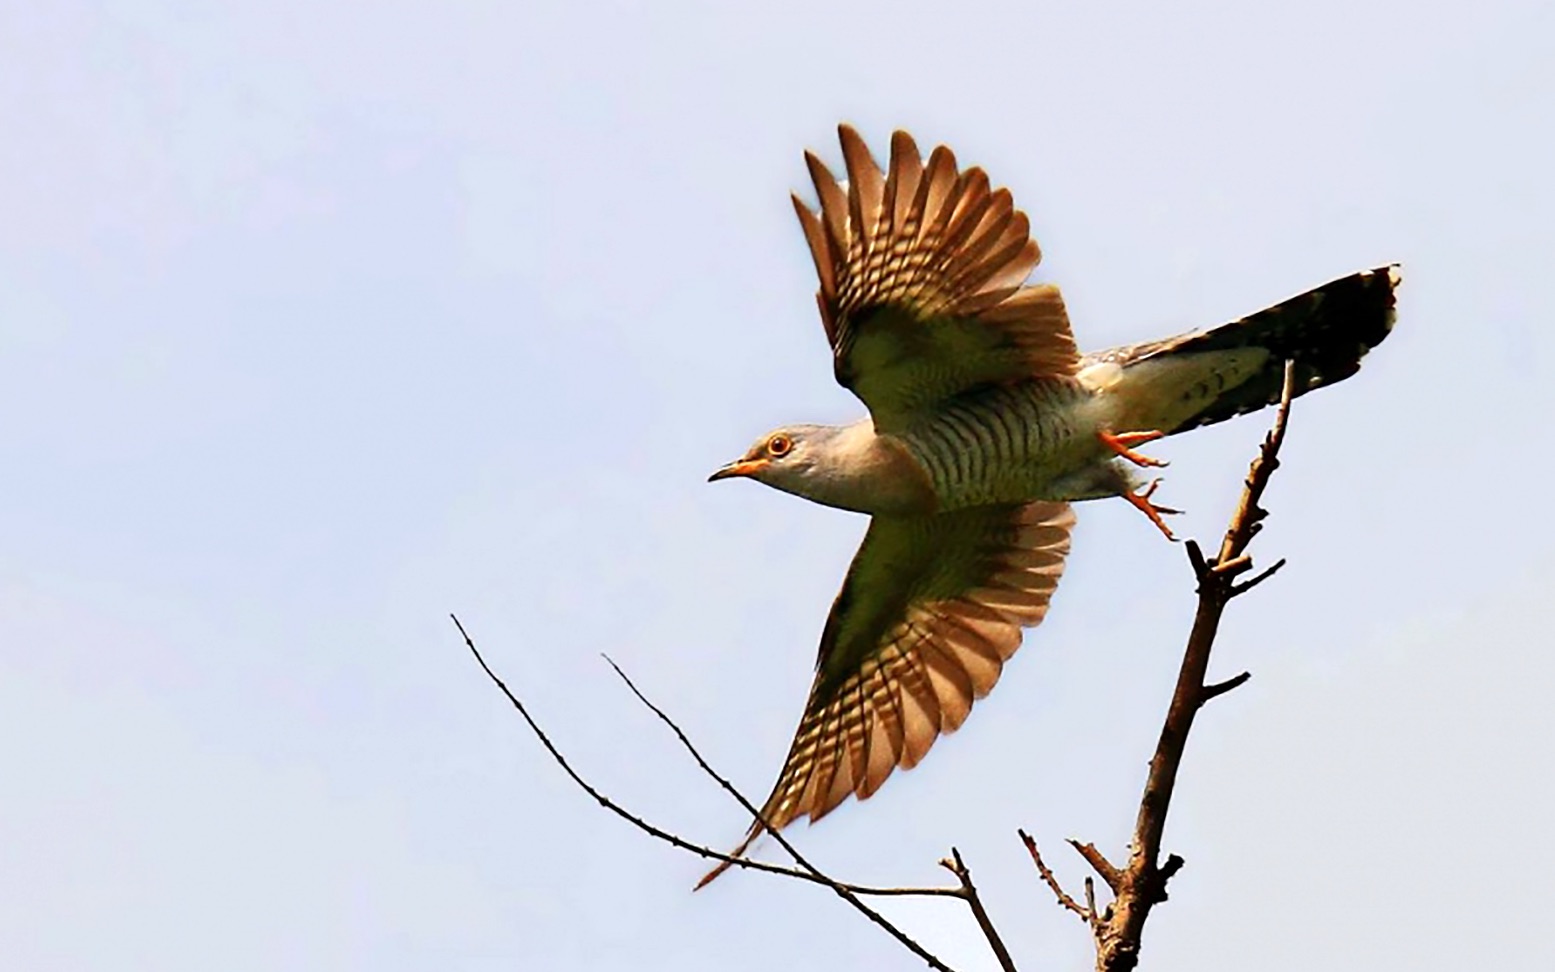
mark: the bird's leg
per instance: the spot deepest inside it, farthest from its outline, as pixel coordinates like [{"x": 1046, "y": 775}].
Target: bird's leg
[
  {"x": 1120, "y": 442},
  {"x": 1141, "y": 501}
]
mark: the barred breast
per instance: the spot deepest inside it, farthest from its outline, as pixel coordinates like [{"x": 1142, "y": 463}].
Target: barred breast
[{"x": 1014, "y": 443}]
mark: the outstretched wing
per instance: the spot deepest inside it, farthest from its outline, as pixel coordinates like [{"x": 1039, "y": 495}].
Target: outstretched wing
[
  {"x": 922, "y": 281},
  {"x": 931, "y": 609}
]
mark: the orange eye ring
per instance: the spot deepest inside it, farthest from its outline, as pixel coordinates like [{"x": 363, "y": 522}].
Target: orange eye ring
[{"x": 779, "y": 446}]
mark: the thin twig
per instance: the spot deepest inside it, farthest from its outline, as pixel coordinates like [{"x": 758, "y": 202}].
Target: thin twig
[
  {"x": 848, "y": 892},
  {"x": 1244, "y": 522},
  {"x": 599, "y": 797},
  {"x": 750, "y": 808},
  {"x": 958, "y": 867},
  {"x": 1051, "y": 880}
]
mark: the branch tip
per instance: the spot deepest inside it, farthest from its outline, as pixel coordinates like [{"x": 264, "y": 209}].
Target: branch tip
[
  {"x": 975, "y": 902},
  {"x": 1221, "y": 688},
  {"x": 1254, "y": 581}
]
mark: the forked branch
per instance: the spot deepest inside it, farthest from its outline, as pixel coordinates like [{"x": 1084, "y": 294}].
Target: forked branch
[
  {"x": 851, "y": 893},
  {"x": 1141, "y": 885}
]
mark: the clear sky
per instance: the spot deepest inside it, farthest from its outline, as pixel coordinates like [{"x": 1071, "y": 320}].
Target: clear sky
[{"x": 320, "y": 321}]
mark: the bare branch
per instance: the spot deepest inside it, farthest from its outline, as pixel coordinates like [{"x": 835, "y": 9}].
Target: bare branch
[
  {"x": 1142, "y": 884},
  {"x": 956, "y": 866},
  {"x": 1050, "y": 880},
  {"x": 815, "y": 873},
  {"x": 848, "y": 892},
  {"x": 1244, "y": 522}
]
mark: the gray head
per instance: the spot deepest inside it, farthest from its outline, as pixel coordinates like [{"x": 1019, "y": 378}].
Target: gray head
[
  {"x": 848, "y": 467},
  {"x": 784, "y": 458}
]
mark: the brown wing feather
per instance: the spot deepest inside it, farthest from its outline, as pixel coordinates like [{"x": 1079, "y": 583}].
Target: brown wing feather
[
  {"x": 922, "y": 271},
  {"x": 931, "y": 609}
]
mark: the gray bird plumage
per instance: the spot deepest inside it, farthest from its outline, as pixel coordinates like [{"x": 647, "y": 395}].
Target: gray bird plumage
[{"x": 985, "y": 422}]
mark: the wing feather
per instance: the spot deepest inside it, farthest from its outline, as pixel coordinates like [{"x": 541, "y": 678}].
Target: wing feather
[
  {"x": 922, "y": 275},
  {"x": 834, "y": 202},
  {"x": 821, "y": 250},
  {"x": 864, "y": 187},
  {"x": 950, "y": 680},
  {"x": 931, "y": 609}
]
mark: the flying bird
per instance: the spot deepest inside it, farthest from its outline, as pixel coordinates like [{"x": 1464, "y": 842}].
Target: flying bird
[{"x": 985, "y": 423}]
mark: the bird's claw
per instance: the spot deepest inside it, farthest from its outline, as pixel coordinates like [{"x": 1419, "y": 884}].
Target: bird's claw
[
  {"x": 1120, "y": 442},
  {"x": 1141, "y": 501}
]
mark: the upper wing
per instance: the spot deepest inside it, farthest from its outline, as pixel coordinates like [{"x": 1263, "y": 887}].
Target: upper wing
[
  {"x": 931, "y": 609},
  {"x": 922, "y": 273}
]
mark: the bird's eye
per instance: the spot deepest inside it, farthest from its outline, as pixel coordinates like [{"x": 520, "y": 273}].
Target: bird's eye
[{"x": 779, "y": 446}]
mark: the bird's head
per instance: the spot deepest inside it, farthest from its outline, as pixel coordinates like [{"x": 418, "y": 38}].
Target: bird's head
[
  {"x": 783, "y": 458},
  {"x": 847, "y": 466}
]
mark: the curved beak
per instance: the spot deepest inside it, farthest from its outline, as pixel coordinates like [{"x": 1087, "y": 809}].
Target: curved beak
[{"x": 739, "y": 467}]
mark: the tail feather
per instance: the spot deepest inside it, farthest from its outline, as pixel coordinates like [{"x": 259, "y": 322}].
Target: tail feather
[{"x": 1209, "y": 376}]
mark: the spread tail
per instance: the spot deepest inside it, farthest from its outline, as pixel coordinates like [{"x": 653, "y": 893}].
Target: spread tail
[{"x": 1209, "y": 376}]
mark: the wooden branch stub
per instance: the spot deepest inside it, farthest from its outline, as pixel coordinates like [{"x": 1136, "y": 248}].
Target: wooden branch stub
[
  {"x": 1104, "y": 868},
  {"x": 1221, "y": 688},
  {"x": 1196, "y": 558},
  {"x": 1234, "y": 566}
]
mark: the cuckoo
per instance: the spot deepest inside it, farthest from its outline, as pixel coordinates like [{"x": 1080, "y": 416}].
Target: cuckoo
[{"x": 985, "y": 423}]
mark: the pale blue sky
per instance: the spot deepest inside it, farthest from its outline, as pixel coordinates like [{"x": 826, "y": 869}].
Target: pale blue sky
[{"x": 319, "y": 321}]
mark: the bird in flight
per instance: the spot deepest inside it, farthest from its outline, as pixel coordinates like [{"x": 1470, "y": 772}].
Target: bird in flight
[{"x": 985, "y": 422}]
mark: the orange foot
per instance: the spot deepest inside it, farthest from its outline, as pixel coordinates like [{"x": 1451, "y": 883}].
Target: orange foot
[
  {"x": 1119, "y": 442},
  {"x": 1141, "y": 500}
]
